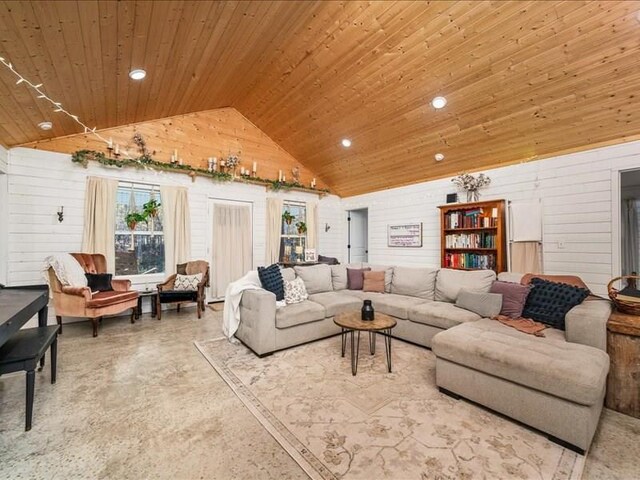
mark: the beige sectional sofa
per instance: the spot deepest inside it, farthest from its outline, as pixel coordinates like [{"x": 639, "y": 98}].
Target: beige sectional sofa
[{"x": 554, "y": 383}]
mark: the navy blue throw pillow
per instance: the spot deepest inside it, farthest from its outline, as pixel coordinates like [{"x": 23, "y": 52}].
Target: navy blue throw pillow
[
  {"x": 99, "y": 282},
  {"x": 548, "y": 302},
  {"x": 271, "y": 279}
]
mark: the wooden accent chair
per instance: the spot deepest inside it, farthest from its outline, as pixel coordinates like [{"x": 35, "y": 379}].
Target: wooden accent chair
[
  {"x": 167, "y": 293},
  {"x": 80, "y": 302}
]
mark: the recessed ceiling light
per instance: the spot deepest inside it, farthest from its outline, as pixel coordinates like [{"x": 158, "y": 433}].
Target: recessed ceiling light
[
  {"x": 439, "y": 102},
  {"x": 45, "y": 125},
  {"x": 137, "y": 74},
  {"x": 439, "y": 157},
  {"x": 346, "y": 143}
]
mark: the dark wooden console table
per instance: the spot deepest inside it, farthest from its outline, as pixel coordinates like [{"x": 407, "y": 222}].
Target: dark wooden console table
[{"x": 18, "y": 305}]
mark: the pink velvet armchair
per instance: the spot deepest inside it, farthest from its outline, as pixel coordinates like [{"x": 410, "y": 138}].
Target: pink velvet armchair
[{"x": 80, "y": 302}]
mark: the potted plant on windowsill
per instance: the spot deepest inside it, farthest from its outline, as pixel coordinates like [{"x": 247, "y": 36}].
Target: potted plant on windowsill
[
  {"x": 287, "y": 217},
  {"x": 302, "y": 228},
  {"x": 133, "y": 219},
  {"x": 150, "y": 209}
]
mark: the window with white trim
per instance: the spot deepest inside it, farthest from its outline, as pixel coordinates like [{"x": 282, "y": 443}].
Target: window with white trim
[
  {"x": 139, "y": 250},
  {"x": 293, "y": 236}
]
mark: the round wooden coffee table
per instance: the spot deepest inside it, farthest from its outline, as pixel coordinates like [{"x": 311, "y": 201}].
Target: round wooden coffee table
[{"x": 351, "y": 322}]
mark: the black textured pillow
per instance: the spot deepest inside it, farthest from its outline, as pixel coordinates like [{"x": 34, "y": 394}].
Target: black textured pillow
[
  {"x": 548, "y": 302},
  {"x": 271, "y": 279},
  {"x": 99, "y": 282}
]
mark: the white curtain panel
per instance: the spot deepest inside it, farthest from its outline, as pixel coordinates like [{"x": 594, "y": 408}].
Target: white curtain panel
[
  {"x": 312, "y": 225},
  {"x": 526, "y": 257},
  {"x": 176, "y": 223},
  {"x": 274, "y": 228},
  {"x": 99, "y": 231},
  {"x": 629, "y": 236},
  {"x": 232, "y": 245}
]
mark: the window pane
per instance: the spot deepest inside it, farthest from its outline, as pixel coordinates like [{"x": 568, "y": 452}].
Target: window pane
[
  {"x": 292, "y": 249},
  {"x": 146, "y": 257},
  {"x": 147, "y": 253},
  {"x": 299, "y": 212}
]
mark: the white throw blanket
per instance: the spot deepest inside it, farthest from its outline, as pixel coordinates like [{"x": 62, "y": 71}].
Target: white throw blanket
[
  {"x": 232, "y": 297},
  {"x": 68, "y": 270}
]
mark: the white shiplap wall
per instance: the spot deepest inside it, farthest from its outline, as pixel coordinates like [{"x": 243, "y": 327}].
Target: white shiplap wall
[
  {"x": 578, "y": 198},
  {"x": 4, "y": 214},
  {"x": 41, "y": 181}
]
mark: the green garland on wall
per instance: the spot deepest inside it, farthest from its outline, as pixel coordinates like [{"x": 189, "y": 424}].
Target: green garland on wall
[{"x": 83, "y": 157}]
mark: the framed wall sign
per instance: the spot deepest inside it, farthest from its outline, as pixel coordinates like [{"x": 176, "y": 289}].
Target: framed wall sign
[
  {"x": 404, "y": 235},
  {"x": 310, "y": 255}
]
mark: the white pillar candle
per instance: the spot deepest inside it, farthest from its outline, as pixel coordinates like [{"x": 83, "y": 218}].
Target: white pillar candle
[
  {"x": 180, "y": 161},
  {"x": 110, "y": 142},
  {"x": 279, "y": 175},
  {"x": 284, "y": 178},
  {"x": 255, "y": 167},
  {"x": 117, "y": 150},
  {"x": 175, "y": 154}
]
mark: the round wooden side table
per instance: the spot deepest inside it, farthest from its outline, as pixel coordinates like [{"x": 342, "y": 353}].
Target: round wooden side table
[
  {"x": 623, "y": 347},
  {"x": 351, "y": 322}
]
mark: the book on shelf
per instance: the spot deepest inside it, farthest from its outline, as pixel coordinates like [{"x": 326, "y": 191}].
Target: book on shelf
[
  {"x": 470, "y": 261},
  {"x": 476, "y": 218},
  {"x": 470, "y": 240}
]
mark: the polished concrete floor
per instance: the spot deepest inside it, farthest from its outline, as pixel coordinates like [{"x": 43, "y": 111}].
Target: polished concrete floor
[{"x": 140, "y": 402}]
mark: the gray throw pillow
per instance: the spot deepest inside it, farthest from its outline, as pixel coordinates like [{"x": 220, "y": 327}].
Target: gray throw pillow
[{"x": 486, "y": 305}]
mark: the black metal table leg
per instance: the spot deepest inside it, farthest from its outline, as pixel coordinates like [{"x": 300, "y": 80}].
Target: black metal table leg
[
  {"x": 372, "y": 343},
  {"x": 31, "y": 380},
  {"x": 54, "y": 359},
  {"x": 343, "y": 337},
  {"x": 355, "y": 349},
  {"x": 387, "y": 343}
]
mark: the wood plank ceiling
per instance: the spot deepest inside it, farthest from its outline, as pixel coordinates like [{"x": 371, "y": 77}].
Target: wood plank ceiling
[{"x": 523, "y": 80}]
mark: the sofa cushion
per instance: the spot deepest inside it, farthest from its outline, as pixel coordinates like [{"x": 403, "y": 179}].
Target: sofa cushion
[
  {"x": 548, "y": 302},
  {"x": 288, "y": 274},
  {"x": 414, "y": 282},
  {"x": 567, "y": 370},
  {"x": 514, "y": 296},
  {"x": 103, "y": 299},
  {"x": 486, "y": 305},
  {"x": 317, "y": 278},
  {"x": 187, "y": 282},
  {"x": 373, "y": 282},
  {"x": 328, "y": 260},
  {"x": 271, "y": 280},
  {"x": 388, "y": 275},
  {"x": 449, "y": 282},
  {"x": 298, "y": 314},
  {"x": 339, "y": 277},
  {"x": 336, "y": 302},
  {"x": 441, "y": 314},
  {"x": 391, "y": 304},
  {"x": 355, "y": 277}
]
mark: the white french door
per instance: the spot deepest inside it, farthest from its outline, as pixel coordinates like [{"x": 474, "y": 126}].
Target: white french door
[{"x": 229, "y": 244}]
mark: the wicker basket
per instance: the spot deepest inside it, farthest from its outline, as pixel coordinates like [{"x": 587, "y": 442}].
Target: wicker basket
[{"x": 632, "y": 308}]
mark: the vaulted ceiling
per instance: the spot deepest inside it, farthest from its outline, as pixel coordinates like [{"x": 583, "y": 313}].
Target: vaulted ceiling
[{"x": 523, "y": 80}]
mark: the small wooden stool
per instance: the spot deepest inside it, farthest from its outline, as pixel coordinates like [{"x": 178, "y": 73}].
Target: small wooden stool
[
  {"x": 23, "y": 351},
  {"x": 623, "y": 346}
]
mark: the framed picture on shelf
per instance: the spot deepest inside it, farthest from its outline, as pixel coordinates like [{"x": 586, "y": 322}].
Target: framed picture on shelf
[
  {"x": 404, "y": 235},
  {"x": 310, "y": 255}
]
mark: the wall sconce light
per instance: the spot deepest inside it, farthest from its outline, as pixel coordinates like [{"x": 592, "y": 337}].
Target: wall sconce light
[
  {"x": 60, "y": 213},
  {"x": 327, "y": 227}
]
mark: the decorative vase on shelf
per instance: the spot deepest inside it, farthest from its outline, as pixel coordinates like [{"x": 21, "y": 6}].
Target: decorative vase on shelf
[
  {"x": 473, "y": 196},
  {"x": 367, "y": 311}
]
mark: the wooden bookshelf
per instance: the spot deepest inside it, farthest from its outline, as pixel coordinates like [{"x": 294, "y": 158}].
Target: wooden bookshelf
[{"x": 473, "y": 236}]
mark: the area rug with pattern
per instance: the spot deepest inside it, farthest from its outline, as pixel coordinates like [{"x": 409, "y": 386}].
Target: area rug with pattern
[{"x": 380, "y": 425}]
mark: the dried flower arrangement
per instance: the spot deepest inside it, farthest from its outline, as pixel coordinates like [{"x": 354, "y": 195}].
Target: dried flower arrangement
[{"x": 471, "y": 184}]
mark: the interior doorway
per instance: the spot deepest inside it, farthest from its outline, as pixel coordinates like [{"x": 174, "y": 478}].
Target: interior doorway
[
  {"x": 358, "y": 235},
  {"x": 230, "y": 243},
  {"x": 629, "y": 216}
]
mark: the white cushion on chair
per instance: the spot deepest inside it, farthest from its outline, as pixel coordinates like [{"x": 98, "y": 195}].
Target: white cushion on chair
[{"x": 187, "y": 282}]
